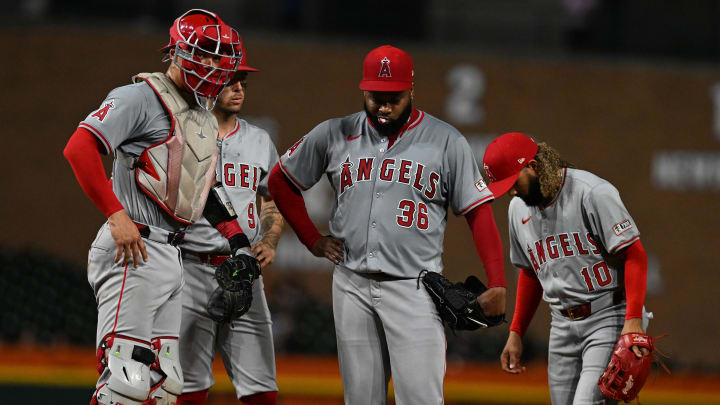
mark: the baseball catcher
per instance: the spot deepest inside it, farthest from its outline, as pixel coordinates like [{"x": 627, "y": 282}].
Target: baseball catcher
[{"x": 457, "y": 303}]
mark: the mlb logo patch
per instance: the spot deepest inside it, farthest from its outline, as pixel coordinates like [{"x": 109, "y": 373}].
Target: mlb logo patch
[
  {"x": 621, "y": 227},
  {"x": 480, "y": 185}
]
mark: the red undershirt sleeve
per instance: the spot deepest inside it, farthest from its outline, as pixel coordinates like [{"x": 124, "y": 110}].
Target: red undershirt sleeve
[
  {"x": 529, "y": 293},
  {"x": 83, "y": 153},
  {"x": 291, "y": 204},
  {"x": 487, "y": 243},
  {"x": 635, "y": 279}
]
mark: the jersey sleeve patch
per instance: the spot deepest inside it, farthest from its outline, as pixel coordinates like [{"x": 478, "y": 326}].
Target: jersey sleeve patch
[
  {"x": 103, "y": 111},
  {"x": 295, "y": 146},
  {"x": 480, "y": 185},
  {"x": 622, "y": 226}
]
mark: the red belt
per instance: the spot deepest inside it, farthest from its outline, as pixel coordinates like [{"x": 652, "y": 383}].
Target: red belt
[{"x": 206, "y": 258}]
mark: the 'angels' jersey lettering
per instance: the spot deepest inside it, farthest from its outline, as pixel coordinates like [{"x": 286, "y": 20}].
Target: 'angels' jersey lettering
[
  {"x": 245, "y": 157},
  {"x": 391, "y": 203},
  {"x": 573, "y": 244}
]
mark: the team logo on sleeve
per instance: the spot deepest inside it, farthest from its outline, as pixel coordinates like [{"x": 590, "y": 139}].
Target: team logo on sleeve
[
  {"x": 103, "y": 112},
  {"x": 294, "y": 147},
  {"x": 480, "y": 185},
  {"x": 621, "y": 227},
  {"x": 385, "y": 68}
]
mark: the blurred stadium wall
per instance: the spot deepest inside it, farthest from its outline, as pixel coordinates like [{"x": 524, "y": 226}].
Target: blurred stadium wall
[{"x": 613, "y": 85}]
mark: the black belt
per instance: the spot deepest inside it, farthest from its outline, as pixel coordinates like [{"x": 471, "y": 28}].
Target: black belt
[{"x": 160, "y": 235}]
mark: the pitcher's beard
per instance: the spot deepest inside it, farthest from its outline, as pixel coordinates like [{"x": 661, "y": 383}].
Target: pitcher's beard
[{"x": 392, "y": 127}]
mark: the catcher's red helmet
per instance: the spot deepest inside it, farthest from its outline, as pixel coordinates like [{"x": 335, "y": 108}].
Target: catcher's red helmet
[{"x": 199, "y": 34}]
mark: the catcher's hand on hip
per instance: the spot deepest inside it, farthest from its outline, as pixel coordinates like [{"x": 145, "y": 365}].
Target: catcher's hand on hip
[
  {"x": 511, "y": 354},
  {"x": 329, "y": 247},
  {"x": 127, "y": 238}
]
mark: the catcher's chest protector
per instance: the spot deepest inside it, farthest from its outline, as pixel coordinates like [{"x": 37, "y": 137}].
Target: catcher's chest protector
[{"x": 178, "y": 172}]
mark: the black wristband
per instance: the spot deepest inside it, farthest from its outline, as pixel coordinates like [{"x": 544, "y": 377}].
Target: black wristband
[{"x": 238, "y": 242}]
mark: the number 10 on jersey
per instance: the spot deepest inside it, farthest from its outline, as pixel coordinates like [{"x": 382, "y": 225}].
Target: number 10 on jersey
[
  {"x": 602, "y": 275},
  {"x": 413, "y": 213}
]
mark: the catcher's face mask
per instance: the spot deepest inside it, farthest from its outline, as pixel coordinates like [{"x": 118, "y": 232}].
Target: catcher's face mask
[{"x": 208, "y": 52}]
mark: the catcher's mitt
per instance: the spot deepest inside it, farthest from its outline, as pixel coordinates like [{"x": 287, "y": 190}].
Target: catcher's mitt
[
  {"x": 235, "y": 277},
  {"x": 457, "y": 303},
  {"x": 626, "y": 374}
]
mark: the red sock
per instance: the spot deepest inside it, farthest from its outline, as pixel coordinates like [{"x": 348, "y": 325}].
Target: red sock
[
  {"x": 193, "y": 398},
  {"x": 262, "y": 398}
]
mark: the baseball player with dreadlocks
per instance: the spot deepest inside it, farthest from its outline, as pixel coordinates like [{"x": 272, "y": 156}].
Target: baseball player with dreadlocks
[
  {"x": 163, "y": 136},
  {"x": 579, "y": 249}
]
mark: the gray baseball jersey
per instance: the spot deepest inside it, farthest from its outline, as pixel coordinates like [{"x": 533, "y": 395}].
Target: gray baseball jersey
[
  {"x": 391, "y": 209},
  {"x": 572, "y": 245},
  {"x": 129, "y": 121},
  {"x": 143, "y": 303},
  {"x": 245, "y": 157},
  {"x": 391, "y": 203}
]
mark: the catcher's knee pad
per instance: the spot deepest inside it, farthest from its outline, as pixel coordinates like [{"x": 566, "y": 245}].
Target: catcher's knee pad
[
  {"x": 125, "y": 369},
  {"x": 167, "y": 366}
]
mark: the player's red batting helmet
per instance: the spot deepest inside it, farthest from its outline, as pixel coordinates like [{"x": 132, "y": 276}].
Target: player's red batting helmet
[
  {"x": 387, "y": 68},
  {"x": 504, "y": 159},
  {"x": 197, "y": 35}
]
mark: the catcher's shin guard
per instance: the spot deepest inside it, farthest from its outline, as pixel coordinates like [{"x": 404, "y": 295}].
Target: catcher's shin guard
[
  {"x": 125, "y": 369},
  {"x": 167, "y": 373}
]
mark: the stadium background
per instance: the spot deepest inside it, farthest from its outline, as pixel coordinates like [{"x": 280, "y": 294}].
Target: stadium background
[{"x": 629, "y": 90}]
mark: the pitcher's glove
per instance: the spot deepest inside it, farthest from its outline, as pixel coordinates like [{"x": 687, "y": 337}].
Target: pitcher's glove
[
  {"x": 457, "y": 303},
  {"x": 235, "y": 277},
  {"x": 626, "y": 373}
]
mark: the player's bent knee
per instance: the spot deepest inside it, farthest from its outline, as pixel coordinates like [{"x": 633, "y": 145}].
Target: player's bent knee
[
  {"x": 170, "y": 384},
  {"x": 126, "y": 368}
]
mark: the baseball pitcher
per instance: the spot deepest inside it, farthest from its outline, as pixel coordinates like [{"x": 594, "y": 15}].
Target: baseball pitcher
[{"x": 395, "y": 171}]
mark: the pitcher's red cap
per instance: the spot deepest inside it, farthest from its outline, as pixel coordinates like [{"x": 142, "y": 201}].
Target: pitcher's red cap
[
  {"x": 504, "y": 159},
  {"x": 387, "y": 68}
]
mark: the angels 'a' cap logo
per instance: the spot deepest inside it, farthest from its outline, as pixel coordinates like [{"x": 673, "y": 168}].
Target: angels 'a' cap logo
[
  {"x": 489, "y": 174},
  {"x": 379, "y": 75},
  {"x": 385, "y": 68},
  {"x": 521, "y": 160}
]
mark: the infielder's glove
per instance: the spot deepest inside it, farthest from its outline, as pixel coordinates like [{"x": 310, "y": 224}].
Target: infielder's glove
[
  {"x": 233, "y": 297},
  {"x": 626, "y": 374},
  {"x": 457, "y": 303}
]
